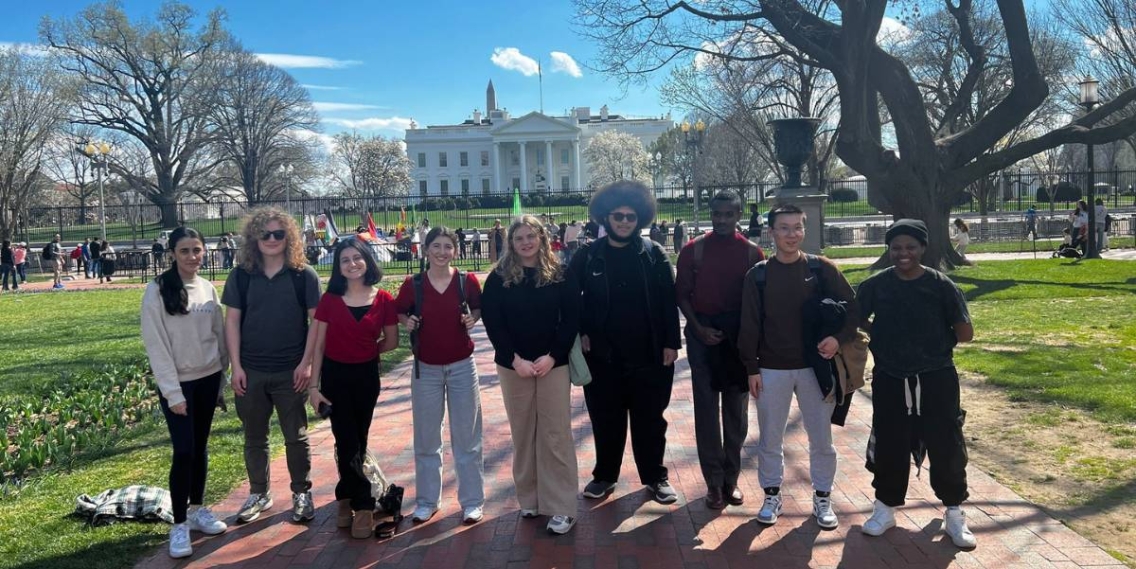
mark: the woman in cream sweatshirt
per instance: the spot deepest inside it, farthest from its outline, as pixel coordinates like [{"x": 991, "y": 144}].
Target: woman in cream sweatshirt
[{"x": 183, "y": 330}]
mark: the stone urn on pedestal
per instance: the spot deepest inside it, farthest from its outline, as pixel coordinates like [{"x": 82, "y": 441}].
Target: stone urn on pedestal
[{"x": 794, "y": 143}]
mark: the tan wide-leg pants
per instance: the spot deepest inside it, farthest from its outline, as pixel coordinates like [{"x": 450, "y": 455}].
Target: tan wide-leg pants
[{"x": 544, "y": 454}]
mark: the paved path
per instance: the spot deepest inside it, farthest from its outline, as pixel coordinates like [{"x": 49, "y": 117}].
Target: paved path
[{"x": 628, "y": 530}]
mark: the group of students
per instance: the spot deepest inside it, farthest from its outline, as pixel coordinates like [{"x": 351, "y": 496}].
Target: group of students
[{"x": 753, "y": 329}]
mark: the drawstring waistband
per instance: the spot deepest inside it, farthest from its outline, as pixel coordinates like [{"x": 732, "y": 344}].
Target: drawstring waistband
[{"x": 918, "y": 395}]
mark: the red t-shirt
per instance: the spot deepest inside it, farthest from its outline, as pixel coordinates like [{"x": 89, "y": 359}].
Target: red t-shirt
[
  {"x": 443, "y": 338},
  {"x": 350, "y": 341}
]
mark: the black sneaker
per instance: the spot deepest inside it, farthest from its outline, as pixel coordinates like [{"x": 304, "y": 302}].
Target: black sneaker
[
  {"x": 598, "y": 489},
  {"x": 663, "y": 492}
]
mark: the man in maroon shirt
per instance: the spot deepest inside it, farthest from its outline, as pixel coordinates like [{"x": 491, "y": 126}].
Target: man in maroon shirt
[{"x": 711, "y": 270}]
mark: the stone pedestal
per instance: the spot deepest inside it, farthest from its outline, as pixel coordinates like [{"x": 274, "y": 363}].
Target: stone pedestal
[{"x": 812, "y": 203}]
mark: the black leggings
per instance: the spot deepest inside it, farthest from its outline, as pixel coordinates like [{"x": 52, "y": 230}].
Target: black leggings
[
  {"x": 353, "y": 390},
  {"x": 935, "y": 419},
  {"x": 189, "y": 434}
]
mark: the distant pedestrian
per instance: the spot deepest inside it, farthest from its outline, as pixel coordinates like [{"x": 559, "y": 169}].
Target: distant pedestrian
[
  {"x": 679, "y": 235},
  {"x": 109, "y": 260},
  {"x": 95, "y": 248},
  {"x": 85, "y": 247},
  {"x": 20, "y": 260},
  {"x": 962, "y": 236},
  {"x": 1101, "y": 219},
  {"x": 53, "y": 258},
  {"x": 8, "y": 265},
  {"x": 754, "y": 230},
  {"x": 1031, "y": 223}
]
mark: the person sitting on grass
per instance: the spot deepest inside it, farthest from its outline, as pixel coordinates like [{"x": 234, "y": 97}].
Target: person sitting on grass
[
  {"x": 184, "y": 335},
  {"x": 920, "y": 315}
]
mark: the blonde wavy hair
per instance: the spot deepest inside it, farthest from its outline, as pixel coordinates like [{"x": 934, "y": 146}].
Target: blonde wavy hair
[
  {"x": 256, "y": 224},
  {"x": 509, "y": 267}
]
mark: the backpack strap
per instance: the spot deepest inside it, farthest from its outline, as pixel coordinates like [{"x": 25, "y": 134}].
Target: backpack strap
[
  {"x": 299, "y": 286},
  {"x": 461, "y": 291},
  {"x": 416, "y": 280},
  {"x": 243, "y": 288}
]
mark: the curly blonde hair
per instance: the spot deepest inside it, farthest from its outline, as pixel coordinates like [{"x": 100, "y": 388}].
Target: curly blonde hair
[
  {"x": 509, "y": 267},
  {"x": 255, "y": 224}
]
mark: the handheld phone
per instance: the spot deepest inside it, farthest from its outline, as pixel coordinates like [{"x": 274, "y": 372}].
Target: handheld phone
[{"x": 324, "y": 410}]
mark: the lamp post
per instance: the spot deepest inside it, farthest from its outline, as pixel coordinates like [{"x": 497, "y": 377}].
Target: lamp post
[
  {"x": 655, "y": 161},
  {"x": 1089, "y": 99},
  {"x": 98, "y": 153},
  {"x": 692, "y": 135}
]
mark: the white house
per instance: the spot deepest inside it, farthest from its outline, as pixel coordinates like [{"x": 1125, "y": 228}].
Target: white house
[{"x": 493, "y": 153}]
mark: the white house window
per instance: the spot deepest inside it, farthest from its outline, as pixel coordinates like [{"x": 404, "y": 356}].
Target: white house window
[
  {"x": 421, "y": 159},
  {"x": 516, "y": 183},
  {"x": 445, "y": 187},
  {"x": 485, "y": 158},
  {"x": 564, "y": 156},
  {"x": 485, "y": 186},
  {"x": 463, "y": 159},
  {"x": 465, "y": 186},
  {"x": 442, "y": 163},
  {"x": 422, "y": 185}
]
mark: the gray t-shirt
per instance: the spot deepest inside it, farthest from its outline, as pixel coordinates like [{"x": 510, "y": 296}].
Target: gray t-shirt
[
  {"x": 912, "y": 331},
  {"x": 273, "y": 332}
]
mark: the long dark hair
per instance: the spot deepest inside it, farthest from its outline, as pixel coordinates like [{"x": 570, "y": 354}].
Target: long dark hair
[
  {"x": 170, "y": 285},
  {"x": 338, "y": 283}
]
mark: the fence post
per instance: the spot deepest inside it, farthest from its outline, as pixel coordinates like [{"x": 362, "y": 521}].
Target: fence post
[{"x": 59, "y": 214}]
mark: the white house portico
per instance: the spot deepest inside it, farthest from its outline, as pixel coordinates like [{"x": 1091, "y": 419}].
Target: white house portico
[{"x": 495, "y": 153}]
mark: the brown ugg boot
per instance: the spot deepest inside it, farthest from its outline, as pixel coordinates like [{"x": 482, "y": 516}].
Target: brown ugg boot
[
  {"x": 343, "y": 517},
  {"x": 364, "y": 524}
]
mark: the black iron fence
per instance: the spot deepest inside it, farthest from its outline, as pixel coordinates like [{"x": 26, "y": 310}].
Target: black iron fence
[{"x": 136, "y": 226}]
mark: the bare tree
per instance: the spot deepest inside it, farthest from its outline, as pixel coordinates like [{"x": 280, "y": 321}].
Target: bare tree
[
  {"x": 70, "y": 167},
  {"x": 926, "y": 170},
  {"x": 260, "y": 109},
  {"x": 153, "y": 80},
  {"x": 370, "y": 166},
  {"x": 614, "y": 155},
  {"x": 33, "y": 107}
]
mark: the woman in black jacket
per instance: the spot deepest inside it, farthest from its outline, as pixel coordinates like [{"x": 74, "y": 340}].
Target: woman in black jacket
[
  {"x": 530, "y": 306},
  {"x": 629, "y": 332}
]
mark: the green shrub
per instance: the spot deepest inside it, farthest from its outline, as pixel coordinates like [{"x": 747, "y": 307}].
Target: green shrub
[{"x": 843, "y": 195}]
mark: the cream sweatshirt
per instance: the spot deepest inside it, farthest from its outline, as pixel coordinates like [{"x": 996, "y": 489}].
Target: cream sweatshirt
[{"x": 184, "y": 347}]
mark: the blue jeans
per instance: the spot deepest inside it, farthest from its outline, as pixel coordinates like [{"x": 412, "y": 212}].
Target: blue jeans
[{"x": 431, "y": 390}]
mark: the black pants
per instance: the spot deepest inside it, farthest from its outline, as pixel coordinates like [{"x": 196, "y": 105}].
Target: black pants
[
  {"x": 189, "y": 434},
  {"x": 936, "y": 419},
  {"x": 616, "y": 393},
  {"x": 353, "y": 390},
  {"x": 721, "y": 420}
]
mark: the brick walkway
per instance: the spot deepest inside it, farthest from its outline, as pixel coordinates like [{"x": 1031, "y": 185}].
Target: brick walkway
[{"x": 628, "y": 530}]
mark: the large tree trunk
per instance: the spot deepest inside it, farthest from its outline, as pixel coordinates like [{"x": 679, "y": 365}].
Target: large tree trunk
[{"x": 936, "y": 214}]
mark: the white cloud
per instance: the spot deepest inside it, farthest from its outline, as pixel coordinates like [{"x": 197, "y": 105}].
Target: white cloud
[
  {"x": 512, "y": 59},
  {"x": 325, "y": 140},
  {"x": 293, "y": 61},
  {"x": 325, "y": 107},
  {"x": 372, "y": 123},
  {"x": 34, "y": 49},
  {"x": 562, "y": 62},
  {"x": 892, "y": 31},
  {"x": 321, "y": 88}
]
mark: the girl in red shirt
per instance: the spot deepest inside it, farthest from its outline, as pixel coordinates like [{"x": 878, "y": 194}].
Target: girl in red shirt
[
  {"x": 355, "y": 322},
  {"x": 445, "y": 373}
]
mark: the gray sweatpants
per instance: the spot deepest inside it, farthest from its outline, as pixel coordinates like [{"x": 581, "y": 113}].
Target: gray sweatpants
[{"x": 772, "y": 416}]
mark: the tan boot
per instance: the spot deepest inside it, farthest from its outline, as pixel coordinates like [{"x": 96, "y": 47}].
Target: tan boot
[
  {"x": 343, "y": 517},
  {"x": 364, "y": 524}
]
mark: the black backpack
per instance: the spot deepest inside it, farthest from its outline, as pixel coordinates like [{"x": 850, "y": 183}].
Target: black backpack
[
  {"x": 416, "y": 310},
  {"x": 49, "y": 251},
  {"x": 299, "y": 285}
]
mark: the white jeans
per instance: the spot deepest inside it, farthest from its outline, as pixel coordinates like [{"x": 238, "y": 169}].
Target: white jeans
[
  {"x": 772, "y": 416},
  {"x": 431, "y": 391}
]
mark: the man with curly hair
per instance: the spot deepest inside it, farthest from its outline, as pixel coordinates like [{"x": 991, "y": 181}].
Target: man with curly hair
[
  {"x": 270, "y": 298},
  {"x": 629, "y": 332}
]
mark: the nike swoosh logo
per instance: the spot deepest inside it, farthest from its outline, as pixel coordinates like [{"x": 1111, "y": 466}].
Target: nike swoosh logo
[
  {"x": 809, "y": 279},
  {"x": 595, "y": 274}
]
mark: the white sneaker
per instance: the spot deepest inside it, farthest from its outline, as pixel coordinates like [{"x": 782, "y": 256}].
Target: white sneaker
[
  {"x": 302, "y": 508},
  {"x": 561, "y": 525},
  {"x": 473, "y": 515},
  {"x": 422, "y": 514},
  {"x": 955, "y": 524},
  {"x": 529, "y": 514},
  {"x": 202, "y": 520},
  {"x": 883, "y": 519},
  {"x": 770, "y": 510},
  {"x": 822, "y": 509},
  {"x": 180, "y": 545}
]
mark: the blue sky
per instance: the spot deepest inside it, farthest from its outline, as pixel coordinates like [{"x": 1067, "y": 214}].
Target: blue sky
[{"x": 376, "y": 65}]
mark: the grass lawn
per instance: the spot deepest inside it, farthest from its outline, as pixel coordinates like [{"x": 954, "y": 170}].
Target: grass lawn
[
  {"x": 1044, "y": 248},
  {"x": 49, "y": 334}
]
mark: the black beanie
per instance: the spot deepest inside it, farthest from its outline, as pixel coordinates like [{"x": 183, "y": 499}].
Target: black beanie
[{"x": 913, "y": 227}]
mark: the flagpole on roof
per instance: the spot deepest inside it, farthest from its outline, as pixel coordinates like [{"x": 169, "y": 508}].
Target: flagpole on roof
[{"x": 540, "y": 79}]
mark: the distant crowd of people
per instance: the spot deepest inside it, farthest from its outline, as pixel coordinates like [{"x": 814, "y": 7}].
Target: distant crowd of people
[{"x": 604, "y": 314}]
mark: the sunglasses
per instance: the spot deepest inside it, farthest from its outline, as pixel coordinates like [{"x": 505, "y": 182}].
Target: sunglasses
[
  {"x": 619, "y": 216},
  {"x": 278, "y": 235}
]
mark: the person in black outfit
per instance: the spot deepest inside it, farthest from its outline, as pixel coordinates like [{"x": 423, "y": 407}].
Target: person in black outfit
[
  {"x": 679, "y": 235},
  {"x": 629, "y": 333},
  {"x": 754, "y": 230},
  {"x": 920, "y": 315}
]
